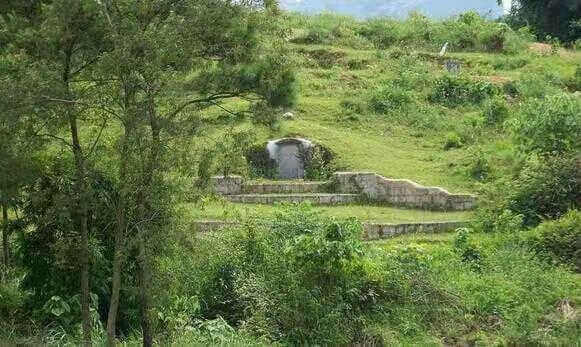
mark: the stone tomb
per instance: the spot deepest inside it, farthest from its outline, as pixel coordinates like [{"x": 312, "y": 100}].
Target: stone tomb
[{"x": 289, "y": 154}]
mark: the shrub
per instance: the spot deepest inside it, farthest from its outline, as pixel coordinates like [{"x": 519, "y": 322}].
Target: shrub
[
  {"x": 510, "y": 88},
  {"x": 467, "y": 250},
  {"x": 544, "y": 188},
  {"x": 558, "y": 241},
  {"x": 575, "y": 82},
  {"x": 298, "y": 278},
  {"x": 495, "y": 111},
  {"x": 452, "y": 140},
  {"x": 389, "y": 98},
  {"x": 549, "y": 125},
  {"x": 260, "y": 163},
  {"x": 319, "y": 163},
  {"x": 479, "y": 166},
  {"x": 316, "y": 35},
  {"x": 457, "y": 90},
  {"x": 536, "y": 86}
]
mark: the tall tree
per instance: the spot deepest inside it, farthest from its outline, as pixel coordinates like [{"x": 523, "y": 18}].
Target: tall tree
[
  {"x": 558, "y": 18},
  {"x": 62, "y": 40},
  {"x": 220, "y": 45}
]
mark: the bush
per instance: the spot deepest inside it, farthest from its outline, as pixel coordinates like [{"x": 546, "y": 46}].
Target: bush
[
  {"x": 457, "y": 90},
  {"x": 389, "y": 98},
  {"x": 549, "y": 125},
  {"x": 495, "y": 111},
  {"x": 453, "y": 140},
  {"x": 537, "y": 86},
  {"x": 558, "y": 241},
  {"x": 544, "y": 188},
  {"x": 298, "y": 278},
  {"x": 467, "y": 250},
  {"x": 261, "y": 165},
  {"x": 316, "y": 35},
  {"x": 479, "y": 166},
  {"x": 575, "y": 82},
  {"x": 319, "y": 164}
]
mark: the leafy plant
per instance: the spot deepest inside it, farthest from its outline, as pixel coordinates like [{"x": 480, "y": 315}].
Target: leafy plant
[
  {"x": 468, "y": 251},
  {"x": 495, "y": 111},
  {"x": 452, "y": 140},
  {"x": 389, "y": 98},
  {"x": 558, "y": 241},
  {"x": 452, "y": 91},
  {"x": 551, "y": 125}
]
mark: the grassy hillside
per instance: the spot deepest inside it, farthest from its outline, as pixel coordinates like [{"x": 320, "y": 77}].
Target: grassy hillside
[{"x": 379, "y": 96}]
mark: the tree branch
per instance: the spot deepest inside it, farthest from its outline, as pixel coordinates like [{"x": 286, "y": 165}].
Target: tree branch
[{"x": 209, "y": 99}]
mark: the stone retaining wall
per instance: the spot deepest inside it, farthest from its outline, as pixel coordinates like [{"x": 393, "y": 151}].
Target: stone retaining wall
[
  {"x": 229, "y": 185},
  {"x": 317, "y": 199},
  {"x": 371, "y": 231},
  {"x": 285, "y": 187},
  {"x": 400, "y": 192},
  {"x": 378, "y": 231}
]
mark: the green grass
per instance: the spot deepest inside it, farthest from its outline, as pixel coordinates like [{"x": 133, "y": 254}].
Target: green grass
[
  {"x": 406, "y": 143},
  {"x": 223, "y": 210}
]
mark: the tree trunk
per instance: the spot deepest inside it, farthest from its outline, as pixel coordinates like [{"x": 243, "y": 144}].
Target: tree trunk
[
  {"x": 81, "y": 213},
  {"x": 5, "y": 246},
  {"x": 119, "y": 242},
  {"x": 144, "y": 295},
  {"x": 80, "y": 208},
  {"x": 147, "y": 211}
]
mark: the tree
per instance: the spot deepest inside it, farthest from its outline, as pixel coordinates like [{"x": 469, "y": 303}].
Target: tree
[
  {"x": 62, "y": 40},
  {"x": 220, "y": 44},
  {"x": 557, "y": 18}
]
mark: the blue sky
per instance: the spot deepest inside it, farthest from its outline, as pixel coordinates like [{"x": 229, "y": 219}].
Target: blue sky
[{"x": 395, "y": 8}]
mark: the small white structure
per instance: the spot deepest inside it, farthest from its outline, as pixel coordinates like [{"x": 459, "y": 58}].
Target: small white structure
[{"x": 443, "y": 50}]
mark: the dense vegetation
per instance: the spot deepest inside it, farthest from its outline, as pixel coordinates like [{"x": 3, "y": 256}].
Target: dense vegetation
[{"x": 117, "y": 112}]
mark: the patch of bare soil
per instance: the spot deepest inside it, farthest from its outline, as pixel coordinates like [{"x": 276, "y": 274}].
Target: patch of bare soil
[{"x": 541, "y": 48}]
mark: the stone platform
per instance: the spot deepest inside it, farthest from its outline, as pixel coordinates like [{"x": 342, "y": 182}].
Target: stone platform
[
  {"x": 343, "y": 188},
  {"x": 314, "y": 198}
]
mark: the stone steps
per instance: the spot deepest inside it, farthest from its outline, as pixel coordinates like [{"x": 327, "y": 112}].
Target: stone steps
[
  {"x": 285, "y": 188},
  {"x": 315, "y": 198}
]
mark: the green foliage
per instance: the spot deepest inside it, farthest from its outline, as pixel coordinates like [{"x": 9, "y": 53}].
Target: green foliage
[
  {"x": 260, "y": 164},
  {"x": 452, "y": 140},
  {"x": 544, "y": 188},
  {"x": 558, "y": 241},
  {"x": 479, "y": 166},
  {"x": 325, "y": 58},
  {"x": 388, "y": 99},
  {"x": 453, "y": 91},
  {"x": 277, "y": 278},
  {"x": 539, "y": 85},
  {"x": 549, "y": 125},
  {"x": 66, "y": 312},
  {"x": 11, "y": 297},
  {"x": 495, "y": 111},
  {"x": 467, "y": 250},
  {"x": 229, "y": 153},
  {"x": 575, "y": 82},
  {"x": 559, "y": 19},
  {"x": 319, "y": 164}
]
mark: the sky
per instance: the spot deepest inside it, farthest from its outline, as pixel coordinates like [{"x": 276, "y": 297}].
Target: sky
[{"x": 397, "y": 8}]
